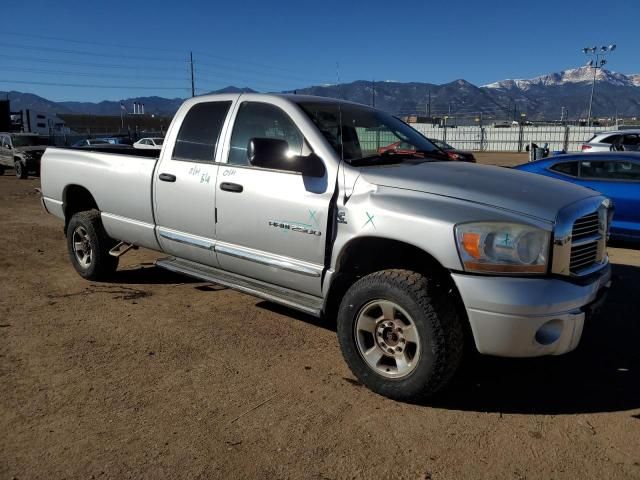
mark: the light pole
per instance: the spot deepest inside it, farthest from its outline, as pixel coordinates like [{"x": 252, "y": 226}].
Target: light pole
[{"x": 597, "y": 61}]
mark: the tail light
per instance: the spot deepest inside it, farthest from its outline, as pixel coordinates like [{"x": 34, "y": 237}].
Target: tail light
[{"x": 586, "y": 147}]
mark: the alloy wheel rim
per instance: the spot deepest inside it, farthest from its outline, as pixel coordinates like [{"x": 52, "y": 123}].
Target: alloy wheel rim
[
  {"x": 387, "y": 339},
  {"x": 82, "y": 247}
]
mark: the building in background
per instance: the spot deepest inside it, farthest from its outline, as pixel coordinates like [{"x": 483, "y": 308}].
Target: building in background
[{"x": 41, "y": 123}]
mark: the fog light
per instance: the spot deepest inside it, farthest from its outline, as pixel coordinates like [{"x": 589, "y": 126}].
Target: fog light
[{"x": 549, "y": 332}]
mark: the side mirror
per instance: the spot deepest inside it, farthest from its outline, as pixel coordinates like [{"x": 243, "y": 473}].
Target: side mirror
[{"x": 274, "y": 154}]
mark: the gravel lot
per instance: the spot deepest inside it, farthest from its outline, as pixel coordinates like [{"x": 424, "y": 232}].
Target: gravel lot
[{"x": 156, "y": 376}]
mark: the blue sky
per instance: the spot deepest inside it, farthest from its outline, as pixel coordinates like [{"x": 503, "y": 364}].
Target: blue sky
[{"x": 89, "y": 50}]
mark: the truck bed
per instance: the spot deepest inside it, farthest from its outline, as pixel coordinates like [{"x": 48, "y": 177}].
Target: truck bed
[{"x": 118, "y": 179}]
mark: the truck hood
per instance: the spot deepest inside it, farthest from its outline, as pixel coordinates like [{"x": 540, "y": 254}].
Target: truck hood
[{"x": 500, "y": 187}]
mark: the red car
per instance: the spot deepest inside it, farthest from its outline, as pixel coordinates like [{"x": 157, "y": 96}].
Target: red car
[{"x": 452, "y": 153}]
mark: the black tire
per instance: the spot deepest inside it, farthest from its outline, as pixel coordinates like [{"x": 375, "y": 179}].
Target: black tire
[
  {"x": 1, "y": 170},
  {"x": 431, "y": 308},
  {"x": 21, "y": 170},
  {"x": 100, "y": 264}
]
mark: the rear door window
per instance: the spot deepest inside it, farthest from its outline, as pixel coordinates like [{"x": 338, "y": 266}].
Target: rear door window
[
  {"x": 200, "y": 131},
  {"x": 611, "y": 139},
  {"x": 618, "y": 170},
  {"x": 567, "y": 168}
]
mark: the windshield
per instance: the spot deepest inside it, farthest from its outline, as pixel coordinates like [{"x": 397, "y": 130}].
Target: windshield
[
  {"x": 26, "y": 141},
  {"x": 368, "y": 135}
]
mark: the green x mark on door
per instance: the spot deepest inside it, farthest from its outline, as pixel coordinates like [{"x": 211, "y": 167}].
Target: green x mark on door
[{"x": 369, "y": 220}]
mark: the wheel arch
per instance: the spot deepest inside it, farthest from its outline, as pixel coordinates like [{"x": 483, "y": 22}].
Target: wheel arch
[
  {"x": 76, "y": 198},
  {"x": 364, "y": 255}
]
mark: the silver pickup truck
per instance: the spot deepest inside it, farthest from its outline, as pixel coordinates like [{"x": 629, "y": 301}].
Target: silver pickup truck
[{"x": 301, "y": 201}]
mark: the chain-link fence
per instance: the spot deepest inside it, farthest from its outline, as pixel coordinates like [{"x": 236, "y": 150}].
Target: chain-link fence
[{"x": 510, "y": 139}]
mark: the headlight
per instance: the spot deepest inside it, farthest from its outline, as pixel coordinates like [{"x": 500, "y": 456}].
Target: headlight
[{"x": 502, "y": 248}]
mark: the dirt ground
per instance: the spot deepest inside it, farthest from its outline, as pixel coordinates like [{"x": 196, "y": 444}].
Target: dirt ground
[{"x": 153, "y": 375}]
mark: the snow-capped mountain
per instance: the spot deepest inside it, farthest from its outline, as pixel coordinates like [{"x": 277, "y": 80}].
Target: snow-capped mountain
[
  {"x": 541, "y": 98},
  {"x": 574, "y": 75}
]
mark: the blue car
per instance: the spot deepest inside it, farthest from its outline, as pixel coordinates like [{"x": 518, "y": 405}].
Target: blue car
[{"x": 616, "y": 175}]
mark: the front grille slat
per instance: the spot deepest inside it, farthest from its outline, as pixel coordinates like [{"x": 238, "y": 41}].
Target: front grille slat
[
  {"x": 585, "y": 226},
  {"x": 584, "y": 255}
]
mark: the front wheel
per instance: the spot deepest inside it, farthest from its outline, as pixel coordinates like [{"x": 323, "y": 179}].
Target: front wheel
[
  {"x": 400, "y": 334},
  {"x": 21, "y": 170},
  {"x": 88, "y": 245}
]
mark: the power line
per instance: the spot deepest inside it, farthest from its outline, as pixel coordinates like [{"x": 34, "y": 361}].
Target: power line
[
  {"x": 84, "y": 64},
  {"x": 148, "y": 48},
  {"x": 92, "y": 54},
  {"x": 261, "y": 65},
  {"x": 85, "y": 42},
  {"x": 98, "y": 75},
  {"x": 214, "y": 69},
  {"x": 79, "y": 85}
]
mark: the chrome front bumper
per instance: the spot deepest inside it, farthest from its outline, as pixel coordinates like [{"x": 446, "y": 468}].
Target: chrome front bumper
[{"x": 528, "y": 317}]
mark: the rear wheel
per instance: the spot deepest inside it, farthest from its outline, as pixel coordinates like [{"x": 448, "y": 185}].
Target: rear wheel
[
  {"x": 88, "y": 245},
  {"x": 21, "y": 170},
  {"x": 1, "y": 170},
  {"x": 400, "y": 334}
]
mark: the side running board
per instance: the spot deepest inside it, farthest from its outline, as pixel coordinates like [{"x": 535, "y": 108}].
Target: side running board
[{"x": 284, "y": 296}]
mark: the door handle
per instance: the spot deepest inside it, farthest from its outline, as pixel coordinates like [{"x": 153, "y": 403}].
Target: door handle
[
  {"x": 231, "y": 187},
  {"x": 167, "y": 177}
]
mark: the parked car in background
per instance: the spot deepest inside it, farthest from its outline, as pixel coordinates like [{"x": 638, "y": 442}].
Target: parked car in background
[
  {"x": 117, "y": 140},
  {"x": 454, "y": 153},
  {"x": 616, "y": 141},
  {"x": 403, "y": 148},
  {"x": 615, "y": 175},
  {"x": 22, "y": 152},
  {"x": 151, "y": 143},
  {"x": 87, "y": 142}
]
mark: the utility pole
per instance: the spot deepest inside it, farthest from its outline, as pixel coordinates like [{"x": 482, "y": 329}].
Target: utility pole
[
  {"x": 562, "y": 115},
  {"x": 429, "y": 106},
  {"x": 193, "y": 83},
  {"x": 373, "y": 93},
  {"x": 599, "y": 63}
]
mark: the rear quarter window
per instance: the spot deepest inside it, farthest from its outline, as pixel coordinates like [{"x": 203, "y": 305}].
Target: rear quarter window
[
  {"x": 200, "y": 132},
  {"x": 566, "y": 168}
]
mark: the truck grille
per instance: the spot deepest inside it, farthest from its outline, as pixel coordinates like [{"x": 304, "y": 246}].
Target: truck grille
[{"x": 585, "y": 237}]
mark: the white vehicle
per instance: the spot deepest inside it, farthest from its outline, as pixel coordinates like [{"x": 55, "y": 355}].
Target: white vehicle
[
  {"x": 154, "y": 143},
  {"x": 613, "y": 141},
  {"x": 290, "y": 198}
]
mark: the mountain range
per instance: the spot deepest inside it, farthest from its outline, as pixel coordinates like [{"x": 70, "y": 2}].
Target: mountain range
[{"x": 543, "y": 97}]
